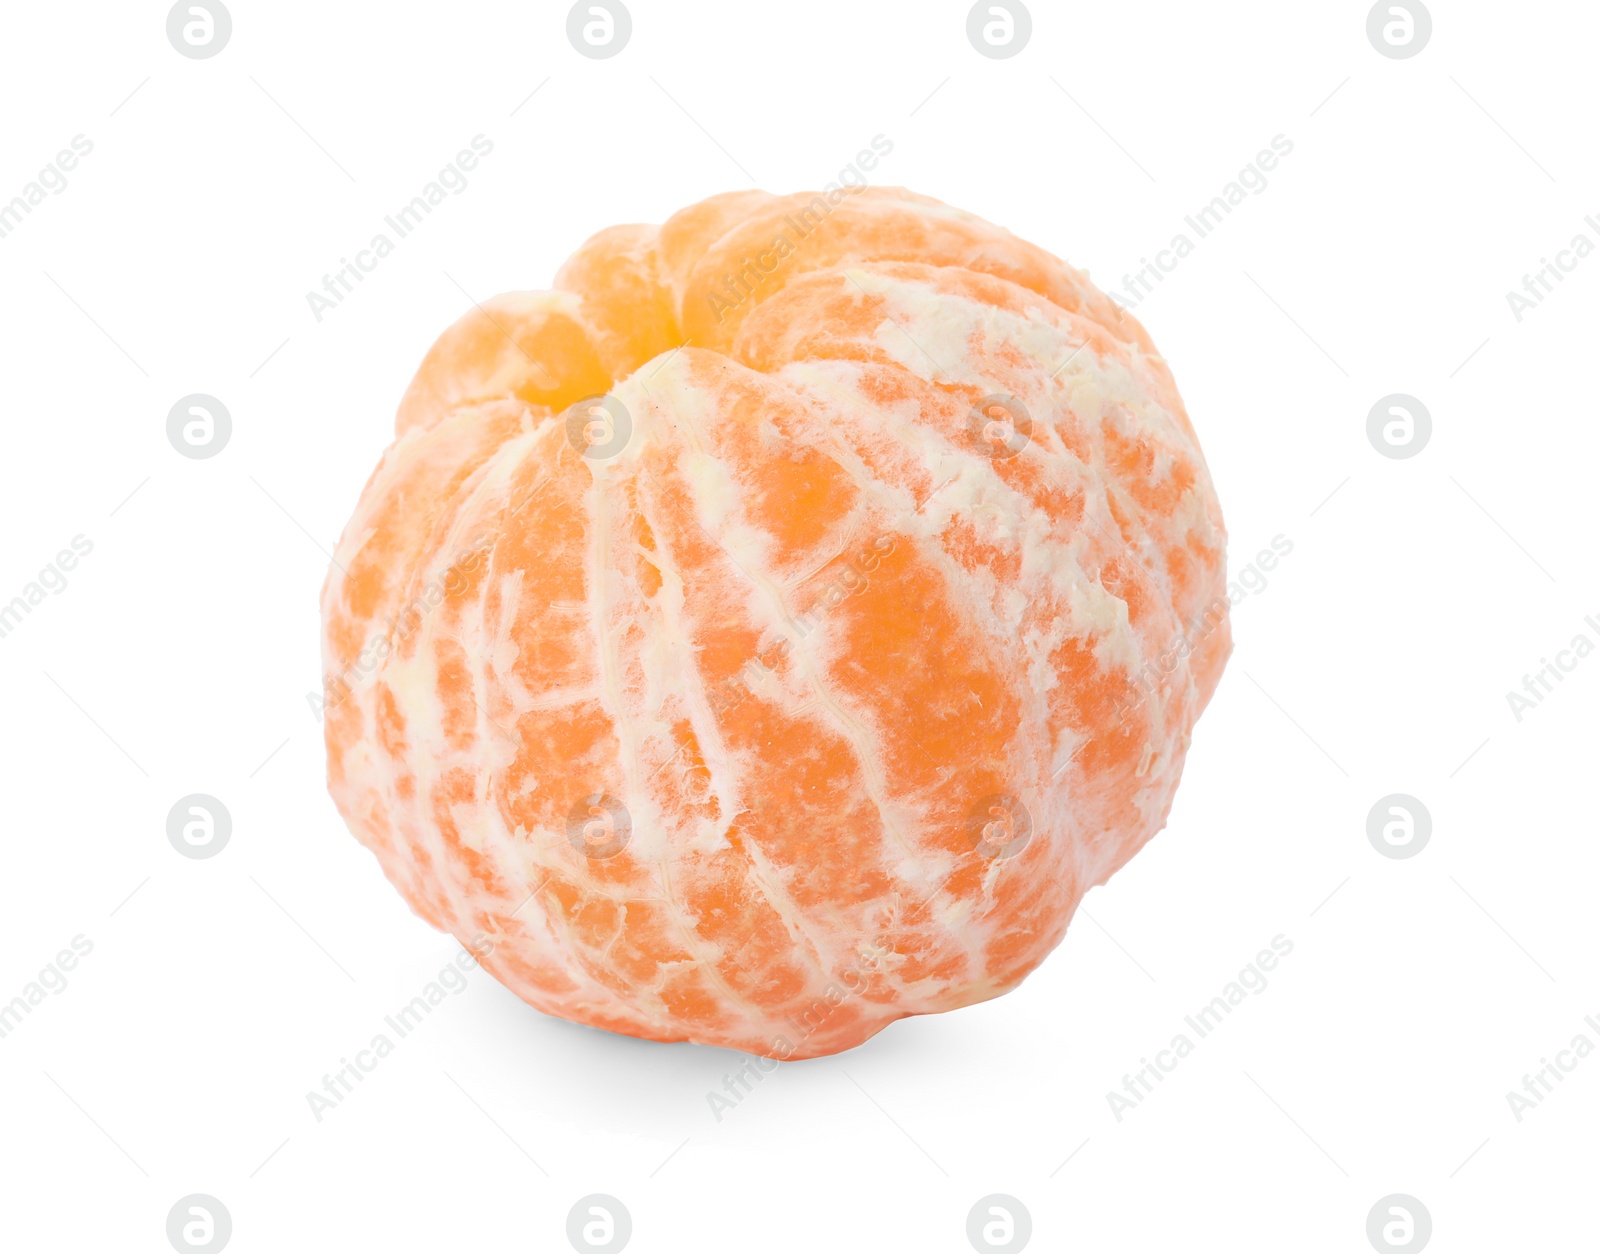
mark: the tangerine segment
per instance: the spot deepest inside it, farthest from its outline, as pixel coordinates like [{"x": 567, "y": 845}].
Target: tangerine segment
[{"x": 808, "y": 678}]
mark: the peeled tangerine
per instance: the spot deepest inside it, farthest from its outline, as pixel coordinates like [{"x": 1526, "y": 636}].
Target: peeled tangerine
[{"x": 774, "y": 630}]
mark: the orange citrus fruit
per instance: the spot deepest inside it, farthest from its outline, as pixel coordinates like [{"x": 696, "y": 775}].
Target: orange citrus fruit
[{"x": 773, "y": 630}]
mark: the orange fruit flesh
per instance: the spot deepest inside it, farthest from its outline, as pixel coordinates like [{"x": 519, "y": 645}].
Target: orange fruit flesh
[{"x": 822, "y": 700}]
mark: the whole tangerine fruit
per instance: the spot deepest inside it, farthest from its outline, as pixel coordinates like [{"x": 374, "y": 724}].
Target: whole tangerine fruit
[{"x": 776, "y": 628}]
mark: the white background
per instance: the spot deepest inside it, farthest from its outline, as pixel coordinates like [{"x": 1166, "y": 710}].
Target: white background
[{"x": 1375, "y": 661}]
